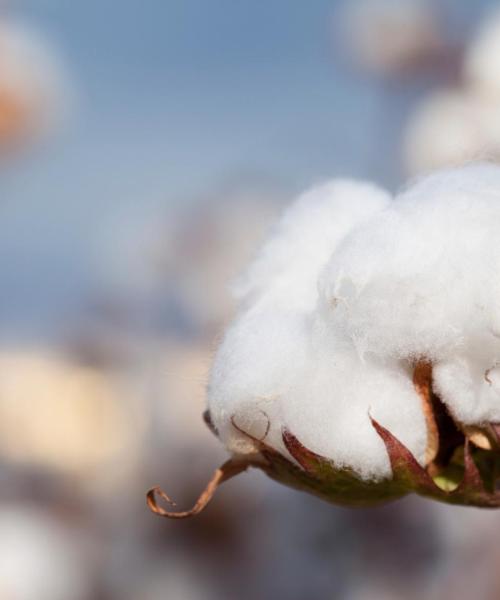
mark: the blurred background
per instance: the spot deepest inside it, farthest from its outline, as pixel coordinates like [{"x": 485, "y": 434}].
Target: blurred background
[{"x": 145, "y": 148}]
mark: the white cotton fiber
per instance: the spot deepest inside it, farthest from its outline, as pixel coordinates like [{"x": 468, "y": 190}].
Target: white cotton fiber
[
  {"x": 264, "y": 355},
  {"x": 254, "y": 370},
  {"x": 329, "y": 409},
  {"x": 350, "y": 292},
  {"x": 266, "y": 348},
  {"x": 416, "y": 280},
  {"x": 470, "y": 386},
  {"x": 288, "y": 265}
]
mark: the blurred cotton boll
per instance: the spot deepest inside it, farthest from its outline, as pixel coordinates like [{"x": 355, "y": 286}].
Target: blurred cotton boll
[
  {"x": 392, "y": 36},
  {"x": 452, "y": 126},
  {"x": 34, "y": 94},
  {"x": 83, "y": 421},
  {"x": 483, "y": 56},
  {"x": 449, "y": 128},
  {"x": 39, "y": 558}
]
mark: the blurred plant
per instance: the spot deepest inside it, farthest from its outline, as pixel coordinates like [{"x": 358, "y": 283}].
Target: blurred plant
[
  {"x": 454, "y": 125},
  {"x": 33, "y": 88},
  {"x": 74, "y": 404},
  {"x": 393, "y": 37}
]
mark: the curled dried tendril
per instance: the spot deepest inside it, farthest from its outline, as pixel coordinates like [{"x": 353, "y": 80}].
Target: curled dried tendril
[{"x": 228, "y": 470}]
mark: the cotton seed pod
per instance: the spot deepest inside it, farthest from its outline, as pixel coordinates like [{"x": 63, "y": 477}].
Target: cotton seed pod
[{"x": 364, "y": 362}]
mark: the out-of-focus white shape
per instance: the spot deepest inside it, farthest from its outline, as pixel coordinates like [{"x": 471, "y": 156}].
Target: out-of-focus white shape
[
  {"x": 39, "y": 558},
  {"x": 34, "y": 95},
  {"x": 449, "y": 128},
  {"x": 60, "y": 415},
  {"x": 391, "y": 36},
  {"x": 454, "y": 126},
  {"x": 481, "y": 70}
]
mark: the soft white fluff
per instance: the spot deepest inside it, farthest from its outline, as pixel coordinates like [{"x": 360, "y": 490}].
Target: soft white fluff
[
  {"x": 330, "y": 406},
  {"x": 347, "y": 294},
  {"x": 421, "y": 280},
  {"x": 417, "y": 279},
  {"x": 285, "y": 271}
]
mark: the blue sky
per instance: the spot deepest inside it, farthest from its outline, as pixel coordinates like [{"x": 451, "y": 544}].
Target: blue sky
[{"x": 174, "y": 99}]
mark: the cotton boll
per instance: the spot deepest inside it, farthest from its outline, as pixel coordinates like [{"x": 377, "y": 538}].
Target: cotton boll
[
  {"x": 288, "y": 265},
  {"x": 407, "y": 302},
  {"x": 449, "y": 128},
  {"x": 74, "y": 403},
  {"x": 392, "y": 36},
  {"x": 329, "y": 410},
  {"x": 482, "y": 57}
]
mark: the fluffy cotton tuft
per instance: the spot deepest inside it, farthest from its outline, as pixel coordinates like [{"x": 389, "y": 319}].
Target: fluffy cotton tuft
[
  {"x": 286, "y": 270},
  {"x": 351, "y": 290}
]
